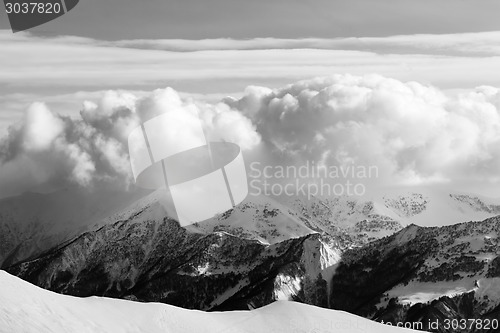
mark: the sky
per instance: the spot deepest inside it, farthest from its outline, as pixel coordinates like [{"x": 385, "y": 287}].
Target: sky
[
  {"x": 411, "y": 86},
  {"x": 64, "y": 71},
  {"x": 198, "y": 19}
]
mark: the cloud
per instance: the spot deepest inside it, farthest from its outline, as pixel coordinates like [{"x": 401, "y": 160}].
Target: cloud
[
  {"x": 42, "y": 127},
  {"x": 48, "y": 150},
  {"x": 462, "y": 44},
  {"x": 413, "y": 133},
  {"x": 69, "y": 63}
]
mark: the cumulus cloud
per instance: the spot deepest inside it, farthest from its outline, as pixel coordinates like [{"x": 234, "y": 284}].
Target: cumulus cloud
[
  {"x": 50, "y": 150},
  {"x": 413, "y": 133}
]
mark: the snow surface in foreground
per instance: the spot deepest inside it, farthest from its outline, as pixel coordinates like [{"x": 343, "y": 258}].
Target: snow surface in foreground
[{"x": 27, "y": 308}]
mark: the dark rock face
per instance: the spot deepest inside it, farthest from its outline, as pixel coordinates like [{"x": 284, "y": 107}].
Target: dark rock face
[
  {"x": 494, "y": 269},
  {"x": 357, "y": 288},
  {"x": 156, "y": 260}
]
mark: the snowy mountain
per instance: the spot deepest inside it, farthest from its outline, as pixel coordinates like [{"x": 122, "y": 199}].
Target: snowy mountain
[
  {"x": 27, "y": 308},
  {"x": 424, "y": 274},
  {"x": 356, "y": 220},
  {"x": 362, "y": 255},
  {"x": 151, "y": 258},
  {"x": 260, "y": 218},
  {"x": 33, "y": 223},
  {"x": 431, "y": 207}
]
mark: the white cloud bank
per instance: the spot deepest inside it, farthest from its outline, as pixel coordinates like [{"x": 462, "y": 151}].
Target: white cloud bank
[
  {"x": 414, "y": 134},
  {"x": 47, "y": 150}
]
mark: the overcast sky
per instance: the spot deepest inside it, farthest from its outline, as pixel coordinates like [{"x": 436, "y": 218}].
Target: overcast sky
[{"x": 195, "y": 19}]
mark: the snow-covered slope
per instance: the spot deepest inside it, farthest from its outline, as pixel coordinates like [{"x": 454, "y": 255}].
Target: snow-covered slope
[
  {"x": 27, "y": 308},
  {"x": 433, "y": 207},
  {"x": 258, "y": 217},
  {"x": 357, "y": 220}
]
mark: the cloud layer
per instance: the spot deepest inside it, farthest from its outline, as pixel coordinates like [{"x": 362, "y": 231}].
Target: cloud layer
[
  {"x": 463, "y": 44},
  {"x": 47, "y": 150},
  {"x": 414, "y": 133},
  {"x": 460, "y": 60}
]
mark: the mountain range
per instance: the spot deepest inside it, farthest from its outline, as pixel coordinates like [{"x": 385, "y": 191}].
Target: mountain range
[{"x": 393, "y": 258}]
